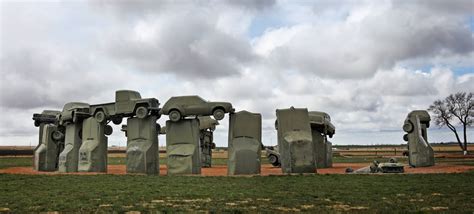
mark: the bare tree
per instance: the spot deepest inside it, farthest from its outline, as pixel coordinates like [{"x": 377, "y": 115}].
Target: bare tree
[{"x": 455, "y": 109}]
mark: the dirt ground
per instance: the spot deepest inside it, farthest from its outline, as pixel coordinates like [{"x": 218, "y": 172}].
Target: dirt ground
[{"x": 267, "y": 169}]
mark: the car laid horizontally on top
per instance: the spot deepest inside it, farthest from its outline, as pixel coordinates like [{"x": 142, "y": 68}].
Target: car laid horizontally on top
[{"x": 182, "y": 106}]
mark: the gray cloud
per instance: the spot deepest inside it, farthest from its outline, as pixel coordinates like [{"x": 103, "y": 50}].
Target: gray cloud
[
  {"x": 188, "y": 46},
  {"x": 358, "y": 63},
  {"x": 35, "y": 78},
  {"x": 370, "y": 37},
  {"x": 252, "y": 4},
  {"x": 141, "y": 7}
]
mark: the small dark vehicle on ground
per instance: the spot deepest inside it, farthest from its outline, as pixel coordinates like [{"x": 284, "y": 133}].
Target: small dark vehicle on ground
[
  {"x": 127, "y": 104},
  {"x": 376, "y": 167},
  {"x": 182, "y": 106}
]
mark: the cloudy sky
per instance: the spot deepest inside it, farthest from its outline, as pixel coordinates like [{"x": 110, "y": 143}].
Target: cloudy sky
[{"x": 366, "y": 63}]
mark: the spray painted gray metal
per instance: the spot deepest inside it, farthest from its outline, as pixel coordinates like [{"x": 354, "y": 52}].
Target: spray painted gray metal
[
  {"x": 93, "y": 151},
  {"x": 50, "y": 141},
  {"x": 245, "y": 139},
  {"x": 182, "y": 147},
  {"x": 46, "y": 117},
  {"x": 273, "y": 155},
  {"x": 74, "y": 112},
  {"x": 295, "y": 142},
  {"x": 207, "y": 125},
  {"x": 321, "y": 121},
  {"x": 127, "y": 103},
  {"x": 321, "y": 128},
  {"x": 46, "y": 153},
  {"x": 420, "y": 152},
  {"x": 182, "y": 106},
  {"x": 142, "y": 145},
  {"x": 69, "y": 157},
  {"x": 329, "y": 153},
  {"x": 376, "y": 167}
]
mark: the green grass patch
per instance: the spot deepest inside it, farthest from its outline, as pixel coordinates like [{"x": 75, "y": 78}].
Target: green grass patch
[
  {"x": 310, "y": 193},
  {"x": 7, "y": 162}
]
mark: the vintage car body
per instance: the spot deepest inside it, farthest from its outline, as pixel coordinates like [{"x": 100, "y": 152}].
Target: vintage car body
[
  {"x": 322, "y": 122},
  {"x": 182, "y": 106},
  {"x": 127, "y": 104},
  {"x": 74, "y": 112},
  {"x": 47, "y": 117}
]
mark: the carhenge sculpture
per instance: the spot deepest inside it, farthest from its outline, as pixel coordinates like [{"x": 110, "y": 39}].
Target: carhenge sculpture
[
  {"x": 142, "y": 145},
  {"x": 51, "y": 141},
  {"x": 71, "y": 117},
  {"x": 295, "y": 142},
  {"x": 93, "y": 151},
  {"x": 244, "y": 146},
  {"x": 182, "y": 147},
  {"x": 321, "y": 129},
  {"x": 420, "y": 153}
]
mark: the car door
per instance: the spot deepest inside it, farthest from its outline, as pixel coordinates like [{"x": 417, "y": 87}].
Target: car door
[{"x": 196, "y": 106}]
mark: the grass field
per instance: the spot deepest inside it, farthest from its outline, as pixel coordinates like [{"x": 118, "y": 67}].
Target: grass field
[{"x": 309, "y": 193}]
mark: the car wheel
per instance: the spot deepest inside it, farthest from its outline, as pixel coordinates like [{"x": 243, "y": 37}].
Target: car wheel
[
  {"x": 405, "y": 137},
  {"x": 141, "y": 112},
  {"x": 100, "y": 116},
  {"x": 108, "y": 130},
  {"x": 175, "y": 115},
  {"x": 117, "y": 120},
  {"x": 218, "y": 114},
  {"x": 408, "y": 127},
  {"x": 57, "y": 136},
  {"x": 156, "y": 113},
  {"x": 273, "y": 159}
]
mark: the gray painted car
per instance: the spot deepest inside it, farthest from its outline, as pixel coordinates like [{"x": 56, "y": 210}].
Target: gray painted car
[
  {"x": 182, "y": 106},
  {"x": 127, "y": 104},
  {"x": 74, "y": 112},
  {"x": 46, "y": 117}
]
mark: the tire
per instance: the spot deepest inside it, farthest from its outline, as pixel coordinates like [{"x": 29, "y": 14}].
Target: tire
[
  {"x": 408, "y": 127},
  {"x": 174, "y": 115},
  {"x": 100, "y": 116},
  {"x": 141, "y": 112},
  {"x": 156, "y": 113},
  {"x": 218, "y": 114},
  {"x": 108, "y": 130},
  {"x": 117, "y": 120},
  {"x": 273, "y": 159},
  {"x": 57, "y": 135}
]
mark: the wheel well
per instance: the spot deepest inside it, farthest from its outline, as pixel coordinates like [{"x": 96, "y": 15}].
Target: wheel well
[
  {"x": 97, "y": 110},
  {"x": 218, "y": 107},
  {"x": 139, "y": 105},
  {"x": 180, "y": 112}
]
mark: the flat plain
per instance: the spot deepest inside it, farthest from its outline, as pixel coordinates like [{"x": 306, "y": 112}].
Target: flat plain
[{"x": 333, "y": 193}]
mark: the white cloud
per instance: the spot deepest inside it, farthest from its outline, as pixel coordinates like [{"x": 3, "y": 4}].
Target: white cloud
[{"x": 360, "y": 61}]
